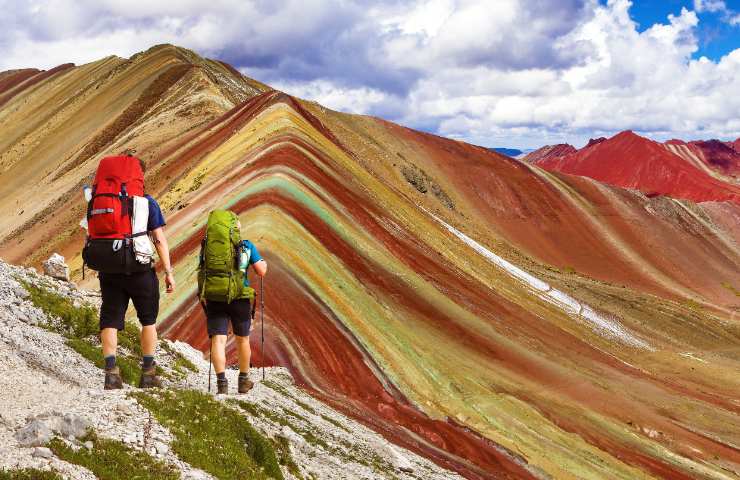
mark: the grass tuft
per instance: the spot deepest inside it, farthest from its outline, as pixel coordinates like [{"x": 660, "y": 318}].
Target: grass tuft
[
  {"x": 212, "y": 436},
  {"x": 75, "y": 321},
  {"x": 112, "y": 460},
  {"x": 80, "y": 326},
  {"x": 28, "y": 474},
  {"x": 181, "y": 363},
  {"x": 284, "y": 420},
  {"x": 282, "y": 447}
]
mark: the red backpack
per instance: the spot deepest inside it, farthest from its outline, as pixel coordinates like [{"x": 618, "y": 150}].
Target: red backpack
[{"x": 109, "y": 245}]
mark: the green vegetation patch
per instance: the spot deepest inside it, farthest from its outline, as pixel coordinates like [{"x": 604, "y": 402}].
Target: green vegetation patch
[
  {"x": 336, "y": 423},
  {"x": 28, "y": 474},
  {"x": 74, "y": 321},
  {"x": 212, "y": 436},
  {"x": 423, "y": 183},
  {"x": 112, "y": 460},
  {"x": 351, "y": 454},
  {"x": 180, "y": 363},
  {"x": 80, "y": 326},
  {"x": 282, "y": 447},
  {"x": 284, "y": 420}
]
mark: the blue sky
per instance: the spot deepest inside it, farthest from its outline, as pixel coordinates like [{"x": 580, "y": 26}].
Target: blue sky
[
  {"x": 517, "y": 73},
  {"x": 716, "y": 37}
]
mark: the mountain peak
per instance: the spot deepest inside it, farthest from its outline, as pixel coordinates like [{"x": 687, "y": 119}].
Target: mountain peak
[
  {"x": 549, "y": 151},
  {"x": 594, "y": 141},
  {"x": 628, "y": 134}
]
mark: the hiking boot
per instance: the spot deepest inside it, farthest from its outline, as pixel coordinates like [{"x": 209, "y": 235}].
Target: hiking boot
[
  {"x": 223, "y": 386},
  {"x": 245, "y": 384},
  {"x": 149, "y": 378},
  {"x": 113, "y": 380}
]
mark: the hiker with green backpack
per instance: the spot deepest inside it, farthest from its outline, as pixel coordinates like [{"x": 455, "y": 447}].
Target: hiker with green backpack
[{"x": 224, "y": 292}]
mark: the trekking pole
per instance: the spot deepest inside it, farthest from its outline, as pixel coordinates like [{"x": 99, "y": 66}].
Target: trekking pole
[{"x": 262, "y": 322}]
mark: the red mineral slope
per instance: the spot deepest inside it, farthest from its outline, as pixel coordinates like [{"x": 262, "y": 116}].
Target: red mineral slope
[
  {"x": 723, "y": 157},
  {"x": 631, "y": 161},
  {"x": 549, "y": 151}
]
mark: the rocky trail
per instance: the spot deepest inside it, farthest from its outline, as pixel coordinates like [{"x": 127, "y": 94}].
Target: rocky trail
[{"x": 52, "y": 396}]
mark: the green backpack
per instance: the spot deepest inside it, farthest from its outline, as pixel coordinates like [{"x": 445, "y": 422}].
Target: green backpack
[{"x": 219, "y": 276}]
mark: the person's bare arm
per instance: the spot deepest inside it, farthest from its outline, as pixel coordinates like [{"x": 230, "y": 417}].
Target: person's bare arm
[
  {"x": 260, "y": 268},
  {"x": 163, "y": 249}
]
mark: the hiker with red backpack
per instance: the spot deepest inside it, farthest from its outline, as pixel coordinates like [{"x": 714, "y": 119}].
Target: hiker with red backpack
[
  {"x": 225, "y": 294},
  {"x": 120, "y": 220}
]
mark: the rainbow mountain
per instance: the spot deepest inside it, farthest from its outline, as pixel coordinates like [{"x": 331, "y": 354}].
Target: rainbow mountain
[{"x": 501, "y": 319}]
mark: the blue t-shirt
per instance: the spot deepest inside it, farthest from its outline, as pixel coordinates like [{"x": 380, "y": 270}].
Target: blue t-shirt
[
  {"x": 156, "y": 219},
  {"x": 254, "y": 256}
]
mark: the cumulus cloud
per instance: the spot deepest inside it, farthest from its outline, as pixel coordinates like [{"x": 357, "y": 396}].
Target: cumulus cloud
[
  {"x": 718, "y": 6},
  {"x": 510, "y": 72}
]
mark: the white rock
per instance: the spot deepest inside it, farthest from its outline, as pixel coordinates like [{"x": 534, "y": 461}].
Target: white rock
[
  {"x": 162, "y": 448},
  {"x": 42, "y": 452},
  {"x": 56, "y": 268},
  {"x": 35, "y": 434},
  {"x": 195, "y": 475},
  {"x": 74, "y": 426},
  {"x": 20, "y": 292}
]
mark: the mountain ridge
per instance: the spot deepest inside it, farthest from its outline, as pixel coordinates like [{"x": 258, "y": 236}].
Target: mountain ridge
[{"x": 695, "y": 171}]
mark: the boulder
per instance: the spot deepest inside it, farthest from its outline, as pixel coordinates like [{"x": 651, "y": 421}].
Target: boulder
[
  {"x": 71, "y": 425},
  {"x": 36, "y": 433},
  {"x": 56, "y": 268}
]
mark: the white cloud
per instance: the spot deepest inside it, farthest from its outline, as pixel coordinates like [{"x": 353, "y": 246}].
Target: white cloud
[
  {"x": 718, "y": 6},
  {"x": 355, "y": 100},
  {"x": 513, "y": 72},
  {"x": 709, "y": 6}
]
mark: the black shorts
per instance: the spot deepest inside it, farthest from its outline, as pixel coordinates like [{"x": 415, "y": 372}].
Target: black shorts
[
  {"x": 219, "y": 314},
  {"x": 117, "y": 289}
]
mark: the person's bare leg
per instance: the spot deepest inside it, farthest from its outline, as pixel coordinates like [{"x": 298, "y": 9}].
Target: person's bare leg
[
  {"x": 218, "y": 353},
  {"x": 109, "y": 339},
  {"x": 242, "y": 344},
  {"x": 148, "y": 339}
]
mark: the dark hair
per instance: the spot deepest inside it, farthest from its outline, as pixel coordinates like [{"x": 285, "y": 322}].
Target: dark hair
[{"x": 129, "y": 152}]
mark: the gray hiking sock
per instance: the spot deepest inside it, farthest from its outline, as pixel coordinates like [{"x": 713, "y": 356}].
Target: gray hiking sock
[
  {"x": 148, "y": 361},
  {"x": 243, "y": 375},
  {"x": 221, "y": 376},
  {"x": 110, "y": 362}
]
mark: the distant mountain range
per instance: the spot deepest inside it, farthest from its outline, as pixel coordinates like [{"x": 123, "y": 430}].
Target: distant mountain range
[
  {"x": 511, "y": 152},
  {"x": 697, "y": 170}
]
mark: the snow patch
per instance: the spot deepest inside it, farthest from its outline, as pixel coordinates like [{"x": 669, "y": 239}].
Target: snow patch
[{"x": 602, "y": 325}]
